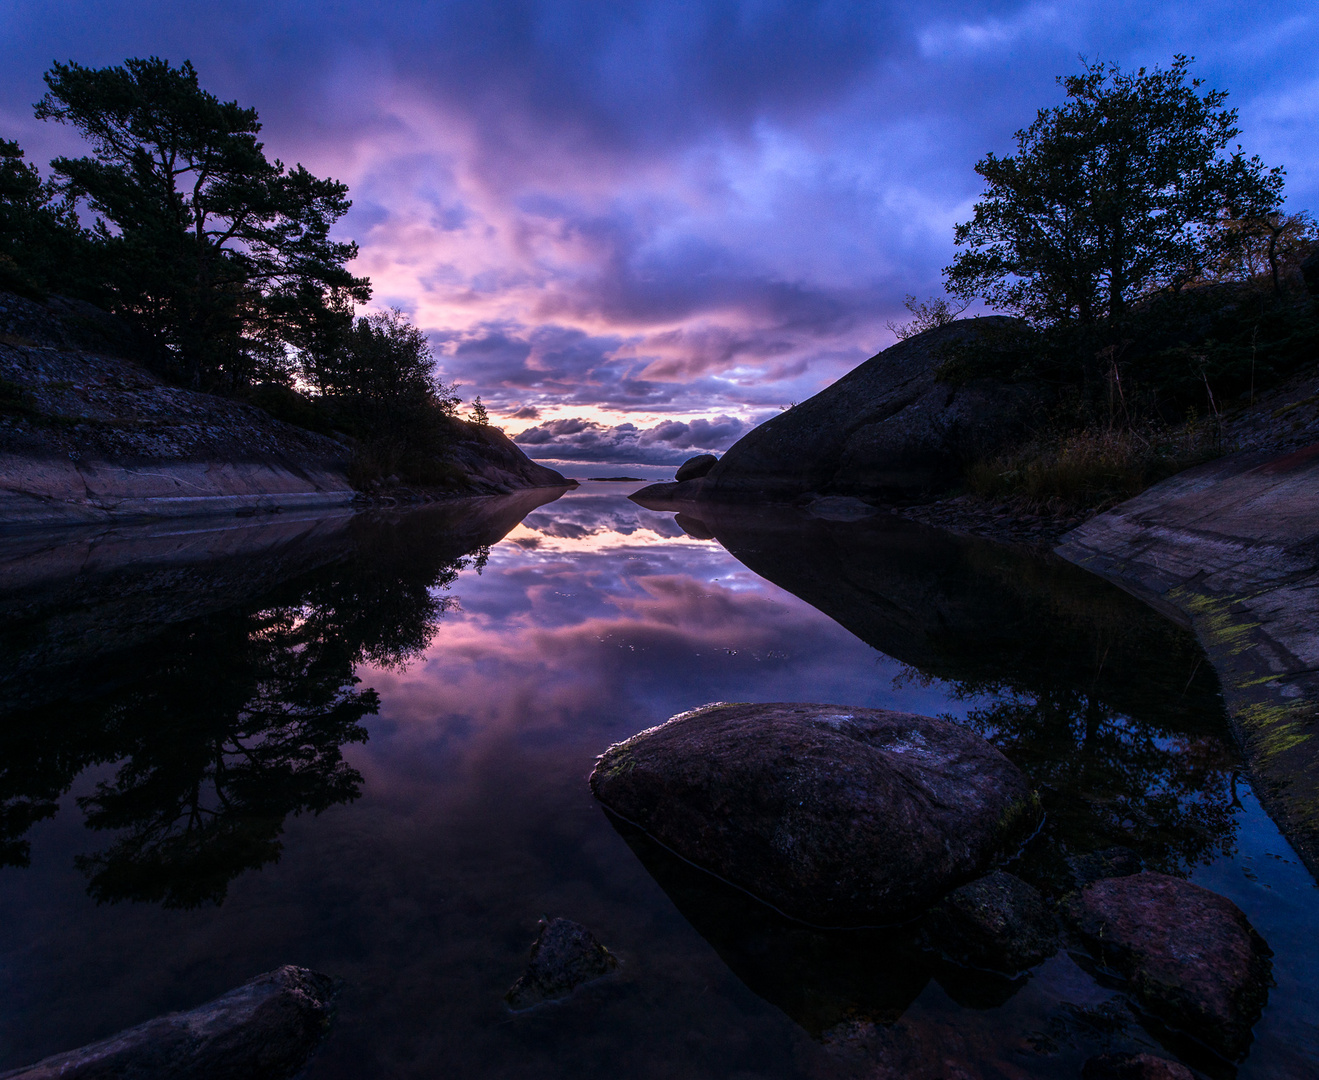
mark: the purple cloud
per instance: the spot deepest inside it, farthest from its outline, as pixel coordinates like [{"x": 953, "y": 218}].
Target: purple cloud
[
  {"x": 670, "y": 442},
  {"x": 625, "y": 206}
]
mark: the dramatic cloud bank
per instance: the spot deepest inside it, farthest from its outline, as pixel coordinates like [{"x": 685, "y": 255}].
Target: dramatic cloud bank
[
  {"x": 625, "y": 211},
  {"x": 669, "y": 442}
]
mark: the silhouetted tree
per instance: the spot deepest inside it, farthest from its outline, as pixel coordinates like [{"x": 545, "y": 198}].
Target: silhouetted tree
[
  {"x": 221, "y": 255},
  {"x": 1111, "y": 197},
  {"x": 41, "y": 242}
]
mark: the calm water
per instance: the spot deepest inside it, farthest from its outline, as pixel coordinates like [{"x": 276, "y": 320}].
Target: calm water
[{"x": 362, "y": 745}]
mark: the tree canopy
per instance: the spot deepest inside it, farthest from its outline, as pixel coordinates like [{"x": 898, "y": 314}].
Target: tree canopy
[
  {"x": 223, "y": 256},
  {"x": 1119, "y": 193}
]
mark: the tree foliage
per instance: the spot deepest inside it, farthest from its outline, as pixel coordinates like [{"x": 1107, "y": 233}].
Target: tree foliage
[
  {"x": 223, "y": 256},
  {"x": 40, "y": 238},
  {"x": 1117, "y": 194}
]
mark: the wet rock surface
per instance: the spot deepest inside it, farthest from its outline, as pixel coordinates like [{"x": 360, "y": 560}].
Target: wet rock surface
[
  {"x": 564, "y": 955},
  {"x": 266, "y": 1028},
  {"x": 695, "y": 467},
  {"x": 1192, "y": 958},
  {"x": 1112, "y": 862},
  {"x": 835, "y": 816},
  {"x": 997, "y": 921}
]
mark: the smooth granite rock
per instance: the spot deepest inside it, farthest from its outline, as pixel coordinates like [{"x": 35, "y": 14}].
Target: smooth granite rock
[
  {"x": 836, "y": 816},
  {"x": 564, "y": 955},
  {"x": 1192, "y": 957},
  {"x": 266, "y": 1029},
  {"x": 695, "y": 467},
  {"x": 997, "y": 921},
  {"x": 889, "y": 427}
]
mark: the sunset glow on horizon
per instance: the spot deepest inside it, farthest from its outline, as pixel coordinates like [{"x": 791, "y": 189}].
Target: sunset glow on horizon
[{"x": 640, "y": 228}]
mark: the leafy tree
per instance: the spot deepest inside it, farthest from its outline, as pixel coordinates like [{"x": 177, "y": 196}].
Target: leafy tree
[
  {"x": 39, "y": 234},
  {"x": 926, "y": 315},
  {"x": 1115, "y": 195},
  {"x": 1265, "y": 246},
  {"x": 223, "y": 256},
  {"x": 376, "y": 375}
]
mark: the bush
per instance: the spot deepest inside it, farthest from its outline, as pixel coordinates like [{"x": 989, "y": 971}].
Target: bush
[{"x": 1095, "y": 467}]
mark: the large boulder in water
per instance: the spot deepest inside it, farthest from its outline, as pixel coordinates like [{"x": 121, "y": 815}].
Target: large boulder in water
[
  {"x": 835, "y": 816},
  {"x": 888, "y": 428},
  {"x": 1192, "y": 957}
]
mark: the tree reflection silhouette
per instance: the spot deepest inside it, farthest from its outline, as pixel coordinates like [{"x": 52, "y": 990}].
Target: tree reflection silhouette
[
  {"x": 225, "y": 725},
  {"x": 1105, "y": 704}
]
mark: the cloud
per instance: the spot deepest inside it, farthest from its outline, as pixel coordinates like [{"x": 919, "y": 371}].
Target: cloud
[
  {"x": 669, "y": 442},
  {"x": 622, "y": 206}
]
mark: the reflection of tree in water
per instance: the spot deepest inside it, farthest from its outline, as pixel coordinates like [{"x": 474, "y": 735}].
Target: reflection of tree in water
[
  {"x": 1108, "y": 706},
  {"x": 1107, "y": 779},
  {"x": 224, "y": 725}
]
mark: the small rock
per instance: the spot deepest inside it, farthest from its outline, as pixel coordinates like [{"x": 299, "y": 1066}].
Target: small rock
[
  {"x": 564, "y": 955},
  {"x": 265, "y": 1028},
  {"x": 834, "y": 815},
  {"x": 1191, "y": 956},
  {"x": 695, "y": 467},
  {"x": 997, "y": 921},
  {"x": 1134, "y": 1067},
  {"x": 1112, "y": 862}
]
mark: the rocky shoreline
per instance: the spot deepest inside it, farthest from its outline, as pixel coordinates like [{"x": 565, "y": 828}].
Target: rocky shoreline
[{"x": 88, "y": 435}]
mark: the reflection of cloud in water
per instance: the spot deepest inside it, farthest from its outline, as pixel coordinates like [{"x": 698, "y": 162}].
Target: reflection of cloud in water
[
  {"x": 639, "y": 623},
  {"x": 604, "y": 518}
]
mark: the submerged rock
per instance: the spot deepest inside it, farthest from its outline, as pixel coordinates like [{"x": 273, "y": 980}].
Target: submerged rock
[
  {"x": 1134, "y": 1067},
  {"x": 564, "y": 955},
  {"x": 265, "y": 1028},
  {"x": 695, "y": 467},
  {"x": 997, "y": 921},
  {"x": 1192, "y": 957},
  {"x": 835, "y": 816},
  {"x": 1112, "y": 862}
]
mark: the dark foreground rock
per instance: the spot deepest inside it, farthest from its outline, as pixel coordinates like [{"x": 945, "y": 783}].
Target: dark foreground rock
[
  {"x": 1134, "y": 1067},
  {"x": 836, "y": 816},
  {"x": 695, "y": 467},
  {"x": 1112, "y": 862},
  {"x": 997, "y": 921},
  {"x": 265, "y": 1029},
  {"x": 1192, "y": 958},
  {"x": 888, "y": 428},
  {"x": 564, "y": 955}
]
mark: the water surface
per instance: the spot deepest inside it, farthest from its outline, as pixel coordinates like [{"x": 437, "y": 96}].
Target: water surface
[{"x": 361, "y": 744}]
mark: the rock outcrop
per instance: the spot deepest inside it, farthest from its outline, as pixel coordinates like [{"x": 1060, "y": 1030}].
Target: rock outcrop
[
  {"x": 88, "y": 435},
  {"x": 887, "y": 428},
  {"x": 1191, "y": 956},
  {"x": 564, "y": 956},
  {"x": 695, "y": 467},
  {"x": 1229, "y": 548},
  {"x": 265, "y": 1028},
  {"x": 835, "y": 816}
]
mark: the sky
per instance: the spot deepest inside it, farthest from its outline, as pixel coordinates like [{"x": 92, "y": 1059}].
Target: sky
[{"x": 635, "y": 228}]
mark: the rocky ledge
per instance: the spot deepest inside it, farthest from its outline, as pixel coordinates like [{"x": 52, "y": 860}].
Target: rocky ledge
[
  {"x": 1230, "y": 549},
  {"x": 88, "y": 435}
]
